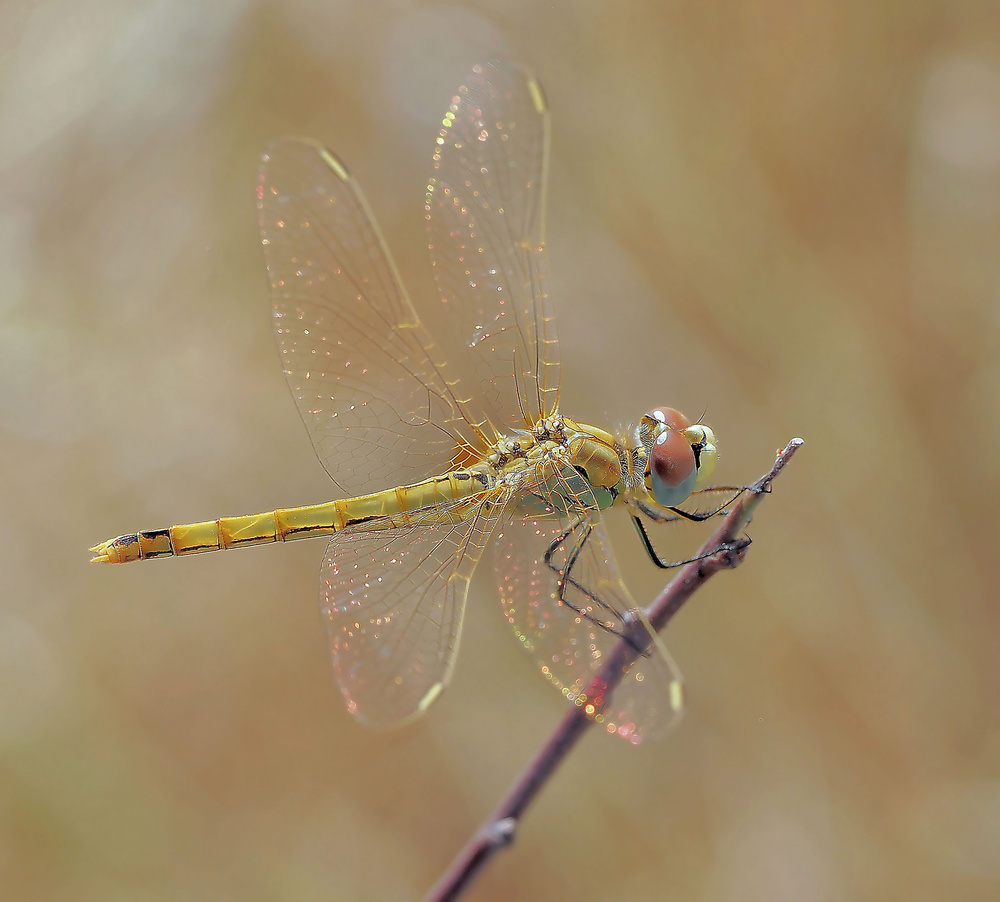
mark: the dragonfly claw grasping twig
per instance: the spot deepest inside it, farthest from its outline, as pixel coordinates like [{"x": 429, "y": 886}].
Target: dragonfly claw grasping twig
[{"x": 723, "y": 550}]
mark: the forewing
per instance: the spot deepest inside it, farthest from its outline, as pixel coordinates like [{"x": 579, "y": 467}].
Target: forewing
[
  {"x": 393, "y": 601},
  {"x": 569, "y": 612},
  {"x": 366, "y": 377},
  {"x": 485, "y": 217}
]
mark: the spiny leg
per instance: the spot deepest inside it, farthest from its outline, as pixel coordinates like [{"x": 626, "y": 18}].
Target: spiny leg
[
  {"x": 565, "y": 579},
  {"x": 701, "y": 516},
  {"x": 627, "y": 618},
  {"x": 655, "y": 558},
  {"x": 655, "y": 513},
  {"x": 563, "y": 573}
]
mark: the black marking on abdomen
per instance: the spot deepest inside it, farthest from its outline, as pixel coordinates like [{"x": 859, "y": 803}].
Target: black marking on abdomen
[
  {"x": 152, "y": 535},
  {"x": 298, "y": 530}
]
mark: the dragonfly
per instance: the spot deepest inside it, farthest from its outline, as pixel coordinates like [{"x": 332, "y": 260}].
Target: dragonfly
[{"x": 479, "y": 456}]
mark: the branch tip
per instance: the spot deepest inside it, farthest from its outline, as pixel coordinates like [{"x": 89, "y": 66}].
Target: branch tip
[{"x": 725, "y": 549}]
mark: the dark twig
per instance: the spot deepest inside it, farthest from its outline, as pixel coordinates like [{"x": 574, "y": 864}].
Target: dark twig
[{"x": 723, "y": 550}]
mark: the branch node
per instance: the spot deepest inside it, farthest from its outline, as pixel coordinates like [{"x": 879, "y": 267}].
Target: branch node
[{"x": 501, "y": 833}]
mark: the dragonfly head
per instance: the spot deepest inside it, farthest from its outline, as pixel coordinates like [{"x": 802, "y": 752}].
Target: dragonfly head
[{"x": 680, "y": 457}]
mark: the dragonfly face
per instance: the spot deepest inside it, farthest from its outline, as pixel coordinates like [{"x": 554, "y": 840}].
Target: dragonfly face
[
  {"x": 480, "y": 456},
  {"x": 680, "y": 458}
]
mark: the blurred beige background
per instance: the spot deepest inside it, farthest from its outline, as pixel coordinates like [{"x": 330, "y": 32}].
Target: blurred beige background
[{"x": 786, "y": 214}]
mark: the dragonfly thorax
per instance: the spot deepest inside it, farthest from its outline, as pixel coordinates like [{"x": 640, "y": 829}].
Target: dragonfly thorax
[
  {"x": 545, "y": 438},
  {"x": 557, "y": 449}
]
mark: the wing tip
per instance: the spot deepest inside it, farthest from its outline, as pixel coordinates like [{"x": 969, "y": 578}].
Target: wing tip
[
  {"x": 299, "y": 144},
  {"x": 537, "y": 93},
  {"x": 334, "y": 164}
]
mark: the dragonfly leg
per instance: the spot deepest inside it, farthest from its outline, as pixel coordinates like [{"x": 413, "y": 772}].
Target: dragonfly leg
[
  {"x": 656, "y": 559},
  {"x": 566, "y": 579},
  {"x": 696, "y": 516}
]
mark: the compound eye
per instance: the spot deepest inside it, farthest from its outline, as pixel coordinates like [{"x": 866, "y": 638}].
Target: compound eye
[
  {"x": 673, "y": 468},
  {"x": 669, "y": 417}
]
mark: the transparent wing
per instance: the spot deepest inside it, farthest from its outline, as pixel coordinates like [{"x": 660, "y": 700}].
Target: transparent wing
[
  {"x": 485, "y": 212},
  {"x": 393, "y": 601},
  {"x": 564, "y": 598},
  {"x": 366, "y": 377}
]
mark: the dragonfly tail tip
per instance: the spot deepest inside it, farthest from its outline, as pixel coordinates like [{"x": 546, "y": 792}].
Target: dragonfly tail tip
[{"x": 100, "y": 554}]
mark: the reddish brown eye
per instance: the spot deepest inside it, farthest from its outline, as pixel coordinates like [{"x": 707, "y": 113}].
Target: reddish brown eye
[
  {"x": 671, "y": 459},
  {"x": 670, "y": 417},
  {"x": 673, "y": 466}
]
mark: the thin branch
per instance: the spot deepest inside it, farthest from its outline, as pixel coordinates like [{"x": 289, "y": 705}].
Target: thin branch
[{"x": 723, "y": 550}]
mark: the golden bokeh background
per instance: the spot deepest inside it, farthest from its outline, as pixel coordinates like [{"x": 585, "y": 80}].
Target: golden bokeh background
[{"x": 786, "y": 214}]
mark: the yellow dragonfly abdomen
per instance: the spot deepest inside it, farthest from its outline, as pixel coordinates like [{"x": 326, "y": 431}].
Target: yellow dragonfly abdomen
[{"x": 432, "y": 501}]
